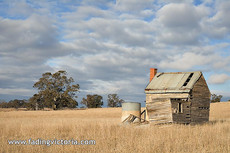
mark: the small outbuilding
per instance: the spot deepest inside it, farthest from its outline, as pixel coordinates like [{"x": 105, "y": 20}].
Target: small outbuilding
[{"x": 179, "y": 97}]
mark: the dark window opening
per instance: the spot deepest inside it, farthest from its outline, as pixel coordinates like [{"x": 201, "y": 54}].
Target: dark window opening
[
  {"x": 191, "y": 96},
  {"x": 189, "y": 78},
  {"x": 184, "y": 99},
  {"x": 179, "y": 99},
  {"x": 180, "y": 108},
  {"x": 203, "y": 107}
]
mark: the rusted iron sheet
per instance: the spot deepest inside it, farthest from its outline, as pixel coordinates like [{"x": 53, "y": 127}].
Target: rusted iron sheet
[{"x": 172, "y": 82}]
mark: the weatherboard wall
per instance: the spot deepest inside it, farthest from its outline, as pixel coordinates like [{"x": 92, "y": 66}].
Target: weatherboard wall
[
  {"x": 163, "y": 106},
  {"x": 159, "y": 107},
  {"x": 200, "y": 101}
]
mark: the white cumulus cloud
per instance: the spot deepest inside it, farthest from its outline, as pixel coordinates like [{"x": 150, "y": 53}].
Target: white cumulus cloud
[{"x": 218, "y": 78}]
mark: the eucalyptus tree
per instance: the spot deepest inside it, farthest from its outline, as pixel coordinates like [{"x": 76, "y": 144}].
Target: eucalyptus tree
[
  {"x": 92, "y": 101},
  {"x": 55, "y": 90},
  {"x": 114, "y": 100}
]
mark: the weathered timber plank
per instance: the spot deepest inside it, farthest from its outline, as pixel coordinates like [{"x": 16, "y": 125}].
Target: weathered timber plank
[
  {"x": 159, "y": 110},
  {"x": 150, "y": 97}
]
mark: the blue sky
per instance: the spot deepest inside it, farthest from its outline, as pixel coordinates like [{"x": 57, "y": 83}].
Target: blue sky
[{"x": 109, "y": 46}]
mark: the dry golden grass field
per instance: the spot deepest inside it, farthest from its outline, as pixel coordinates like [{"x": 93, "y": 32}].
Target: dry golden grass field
[{"x": 103, "y": 125}]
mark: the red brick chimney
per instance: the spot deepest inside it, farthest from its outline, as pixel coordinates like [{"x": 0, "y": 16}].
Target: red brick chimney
[{"x": 153, "y": 72}]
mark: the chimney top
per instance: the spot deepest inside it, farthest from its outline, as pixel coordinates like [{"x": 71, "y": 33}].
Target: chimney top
[{"x": 153, "y": 72}]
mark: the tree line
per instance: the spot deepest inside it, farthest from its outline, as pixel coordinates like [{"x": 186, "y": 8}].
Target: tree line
[
  {"x": 16, "y": 103},
  {"x": 216, "y": 98},
  {"x": 57, "y": 91}
]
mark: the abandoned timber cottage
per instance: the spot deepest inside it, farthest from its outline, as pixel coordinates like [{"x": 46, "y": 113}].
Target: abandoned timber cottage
[{"x": 179, "y": 97}]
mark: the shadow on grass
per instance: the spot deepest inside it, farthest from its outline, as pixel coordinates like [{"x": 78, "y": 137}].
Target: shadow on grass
[
  {"x": 210, "y": 122},
  {"x": 215, "y": 122}
]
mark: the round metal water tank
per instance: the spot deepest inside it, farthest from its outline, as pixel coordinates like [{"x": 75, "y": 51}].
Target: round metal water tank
[{"x": 133, "y": 108}]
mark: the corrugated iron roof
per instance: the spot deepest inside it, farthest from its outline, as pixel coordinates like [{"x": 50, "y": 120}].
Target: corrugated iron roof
[{"x": 173, "y": 82}]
